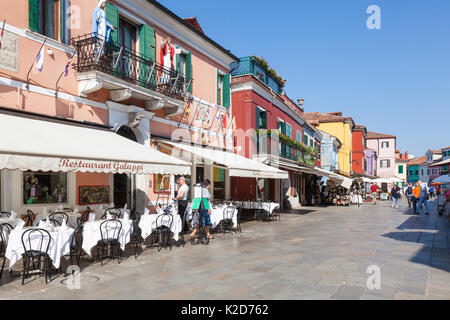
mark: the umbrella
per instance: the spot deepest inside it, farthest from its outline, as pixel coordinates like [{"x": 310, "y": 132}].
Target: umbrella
[{"x": 443, "y": 179}]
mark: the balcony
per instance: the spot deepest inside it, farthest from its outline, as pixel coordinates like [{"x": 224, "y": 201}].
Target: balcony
[
  {"x": 250, "y": 65},
  {"x": 126, "y": 74}
]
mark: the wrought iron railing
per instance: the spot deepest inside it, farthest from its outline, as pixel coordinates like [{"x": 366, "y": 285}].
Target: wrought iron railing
[{"x": 108, "y": 57}]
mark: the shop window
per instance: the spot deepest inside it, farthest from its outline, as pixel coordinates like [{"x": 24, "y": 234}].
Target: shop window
[
  {"x": 219, "y": 183},
  {"x": 44, "y": 188}
]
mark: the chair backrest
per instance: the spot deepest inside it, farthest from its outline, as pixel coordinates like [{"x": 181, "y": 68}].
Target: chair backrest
[
  {"x": 68, "y": 210},
  {"x": 114, "y": 212},
  {"x": 58, "y": 216},
  {"x": 77, "y": 237},
  {"x": 110, "y": 229},
  {"x": 80, "y": 221},
  {"x": 36, "y": 240},
  {"x": 5, "y": 214},
  {"x": 164, "y": 220},
  {"x": 5, "y": 230},
  {"x": 229, "y": 212}
]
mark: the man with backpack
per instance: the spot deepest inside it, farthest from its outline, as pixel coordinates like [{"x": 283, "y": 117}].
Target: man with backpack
[
  {"x": 423, "y": 198},
  {"x": 409, "y": 194}
]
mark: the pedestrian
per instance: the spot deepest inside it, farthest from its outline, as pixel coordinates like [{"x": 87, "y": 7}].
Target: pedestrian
[
  {"x": 205, "y": 219},
  {"x": 409, "y": 193},
  {"x": 374, "y": 189},
  {"x": 395, "y": 195},
  {"x": 415, "y": 197},
  {"x": 182, "y": 198},
  {"x": 423, "y": 198},
  {"x": 431, "y": 192}
]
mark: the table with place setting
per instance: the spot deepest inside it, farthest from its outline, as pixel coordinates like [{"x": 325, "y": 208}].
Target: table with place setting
[
  {"x": 73, "y": 216},
  {"x": 91, "y": 234},
  {"x": 59, "y": 243},
  {"x": 148, "y": 224}
]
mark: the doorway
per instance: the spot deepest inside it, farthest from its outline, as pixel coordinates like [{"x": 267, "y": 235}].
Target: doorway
[{"x": 125, "y": 184}]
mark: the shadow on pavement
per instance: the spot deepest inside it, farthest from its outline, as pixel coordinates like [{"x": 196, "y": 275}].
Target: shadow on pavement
[{"x": 433, "y": 235}]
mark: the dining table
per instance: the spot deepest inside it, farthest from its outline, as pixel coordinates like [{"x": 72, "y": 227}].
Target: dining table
[
  {"x": 59, "y": 243},
  {"x": 216, "y": 215},
  {"x": 148, "y": 224},
  {"x": 92, "y": 234}
]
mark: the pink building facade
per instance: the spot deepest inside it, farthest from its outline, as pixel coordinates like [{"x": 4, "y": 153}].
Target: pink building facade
[{"x": 384, "y": 146}]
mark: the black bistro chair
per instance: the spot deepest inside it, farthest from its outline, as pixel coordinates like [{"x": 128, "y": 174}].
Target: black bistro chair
[
  {"x": 136, "y": 239},
  {"x": 162, "y": 233},
  {"x": 5, "y": 230},
  {"x": 110, "y": 233},
  {"x": 114, "y": 212},
  {"x": 36, "y": 243},
  {"x": 57, "y": 218},
  {"x": 76, "y": 243},
  {"x": 5, "y": 215},
  {"x": 227, "y": 221}
]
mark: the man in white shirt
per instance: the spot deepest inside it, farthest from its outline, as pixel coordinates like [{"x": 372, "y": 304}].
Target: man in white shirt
[{"x": 182, "y": 198}]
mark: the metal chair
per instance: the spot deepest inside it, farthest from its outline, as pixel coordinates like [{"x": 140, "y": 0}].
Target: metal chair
[
  {"x": 162, "y": 232},
  {"x": 36, "y": 243},
  {"x": 276, "y": 216},
  {"x": 136, "y": 239},
  {"x": 110, "y": 232},
  {"x": 5, "y": 214},
  {"x": 113, "y": 212},
  {"x": 76, "y": 242},
  {"x": 5, "y": 230},
  {"x": 59, "y": 217},
  {"x": 227, "y": 222},
  {"x": 68, "y": 210}
]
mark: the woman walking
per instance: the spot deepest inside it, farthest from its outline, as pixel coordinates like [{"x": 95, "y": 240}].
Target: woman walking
[{"x": 395, "y": 194}]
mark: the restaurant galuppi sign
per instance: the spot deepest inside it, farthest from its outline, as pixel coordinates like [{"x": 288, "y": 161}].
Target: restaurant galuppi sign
[{"x": 100, "y": 166}]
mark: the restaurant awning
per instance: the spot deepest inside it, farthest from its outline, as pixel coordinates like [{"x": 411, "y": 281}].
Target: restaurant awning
[
  {"x": 45, "y": 145},
  {"x": 238, "y": 166}
]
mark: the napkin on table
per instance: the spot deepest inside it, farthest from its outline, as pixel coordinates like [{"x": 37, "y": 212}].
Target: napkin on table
[
  {"x": 146, "y": 211},
  {"x": 13, "y": 214},
  {"x": 19, "y": 225},
  {"x": 108, "y": 216},
  {"x": 91, "y": 217},
  {"x": 126, "y": 216}
]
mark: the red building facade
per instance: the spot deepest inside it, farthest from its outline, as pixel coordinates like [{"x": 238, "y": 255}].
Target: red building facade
[{"x": 359, "y": 136}]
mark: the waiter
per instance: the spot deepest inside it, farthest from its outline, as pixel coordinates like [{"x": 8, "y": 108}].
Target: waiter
[{"x": 182, "y": 198}]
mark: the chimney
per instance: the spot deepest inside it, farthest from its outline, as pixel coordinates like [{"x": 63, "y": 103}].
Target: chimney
[{"x": 406, "y": 155}]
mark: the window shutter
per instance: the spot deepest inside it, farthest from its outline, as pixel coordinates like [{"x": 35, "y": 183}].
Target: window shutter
[
  {"x": 112, "y": 14},
  {"x": 33, "y": 15},
  {"x": 258, "y": 118},
  {"x": 189, "y": 70},
  {"x": 147, "y": 46},
  {"x": 264, "y": 120},
  {"x": 283, "y": 128},
  {"x": 226, "y": 91},
  {"x": 217, "y": 86}
]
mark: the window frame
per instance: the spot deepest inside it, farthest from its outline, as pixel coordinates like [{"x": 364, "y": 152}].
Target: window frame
[{"x": 67, "y": 186}]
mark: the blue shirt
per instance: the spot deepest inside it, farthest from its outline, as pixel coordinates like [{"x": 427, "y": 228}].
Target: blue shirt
[{"x": 96, "y": 20}]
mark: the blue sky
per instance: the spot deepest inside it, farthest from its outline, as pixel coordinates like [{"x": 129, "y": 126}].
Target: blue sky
[{"x": 395, "y": 80}]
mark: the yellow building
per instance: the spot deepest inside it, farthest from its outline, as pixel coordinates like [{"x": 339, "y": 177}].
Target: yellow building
[{"x": 341, "y": 127}]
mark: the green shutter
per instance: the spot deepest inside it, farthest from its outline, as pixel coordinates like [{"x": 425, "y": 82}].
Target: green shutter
[
  {"x": 33, "y": 15},
  {"x": 189, "y": 70},
  {"x": 177, "y": 62},
  {"x": 112, "y": 15},
  {"x": 283, "y": 128},
  {"x": 226, "y": 91},
  {"x": 147, "y": 43},
  {"x": 62, "y": 20},
  {"x": 217, "y": 86},
  {"x": 258, "y": 118},
  {"x": 264, "y": 120}
]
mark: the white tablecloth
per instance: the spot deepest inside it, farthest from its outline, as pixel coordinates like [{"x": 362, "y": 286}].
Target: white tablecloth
[
  {"x": 267, "y": 206},
  {"x": 148, "y": 223},
  {"x": 91, "y": 234},
  {"x": 59, "y": 245},
  {"x": 71, "y": 223},
  {"x": 216, "y": 216},
  {"x": 11, "y": 222}
]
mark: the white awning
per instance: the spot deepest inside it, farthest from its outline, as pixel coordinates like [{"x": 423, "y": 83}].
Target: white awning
[
  {"x": 238, "y": 166},
  {"x": 441, "y": 163},
  {"x": 445, "y": 179},
  {"x": 41, "y": 145}
]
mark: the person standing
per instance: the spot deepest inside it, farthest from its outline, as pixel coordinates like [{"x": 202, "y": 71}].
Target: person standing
[
  {"x": 374, "y": 189},
  {"x": 431, "y": 192},
  {"x": 182, "y": 198},
  {"x": 415, "y": 197},
  {"x": 395, "y": 194},
  {"x": 205, "y": 219},
  {"x": 409, "y": 194},
  {"x": 423, "y": 198}
]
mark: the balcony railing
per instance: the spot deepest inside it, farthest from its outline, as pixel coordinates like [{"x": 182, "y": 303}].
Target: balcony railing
[{"x": 95, "y": 54}]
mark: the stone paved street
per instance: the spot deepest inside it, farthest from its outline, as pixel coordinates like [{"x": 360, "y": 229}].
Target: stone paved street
[{"x": 321, "y": 254}]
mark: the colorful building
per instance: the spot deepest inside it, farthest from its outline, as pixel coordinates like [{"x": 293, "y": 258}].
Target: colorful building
[
  {"x": 330, "y": 150},
  {"x": 358, "y": 147},
  {"x": 401, "y": 167},
  {"x": 415, "y": 169},
  {"x": 137, "y": 85},
  {"x": 370, "y": 162},
  {"x": 340, "y": 127},
  {"x": 272, "y": 130},
  {"x": 385, "y": 146}
]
